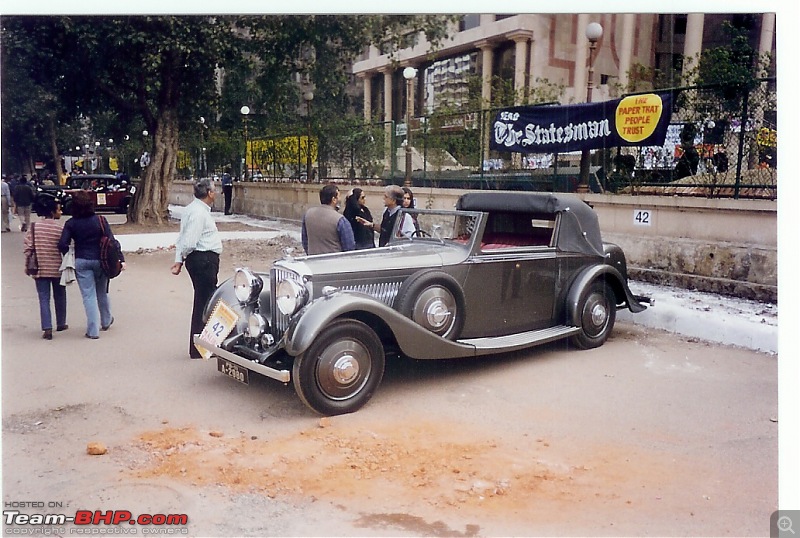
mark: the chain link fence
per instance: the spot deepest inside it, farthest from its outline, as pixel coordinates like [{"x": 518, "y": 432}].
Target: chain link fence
[{"x": 722, "y": 142}]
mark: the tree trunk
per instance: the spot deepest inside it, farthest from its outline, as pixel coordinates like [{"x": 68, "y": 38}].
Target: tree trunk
[
  {"x": 51, "y": 127},
  {"x": 151, "y": 202}
]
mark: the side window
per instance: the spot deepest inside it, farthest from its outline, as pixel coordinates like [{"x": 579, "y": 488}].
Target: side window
[{"x": 518, "y": 230}]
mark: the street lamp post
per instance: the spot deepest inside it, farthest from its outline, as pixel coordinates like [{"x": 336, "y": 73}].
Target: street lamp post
[
  {"x": 409, "y": 73},
  {"x": 201, "y": 168},
  {"x": 97, "y": 160},
  {"x": 245, "y": 110},
  {"x": 308, "y": 97},
  {"x": 109, "y": 152},
  {"x": 594, "y": 31},
  {"x": 144, "y": 160}
]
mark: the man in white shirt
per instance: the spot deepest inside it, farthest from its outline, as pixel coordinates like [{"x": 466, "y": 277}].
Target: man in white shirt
[
  {"x": 198, "y": 247},
  {"x": 7, "y": 203}
]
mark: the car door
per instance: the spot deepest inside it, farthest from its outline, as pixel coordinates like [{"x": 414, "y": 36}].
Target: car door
[{"x": 510, "y": 287}]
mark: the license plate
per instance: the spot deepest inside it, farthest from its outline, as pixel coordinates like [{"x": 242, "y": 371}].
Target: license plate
[{"x": 233, "y": 370}]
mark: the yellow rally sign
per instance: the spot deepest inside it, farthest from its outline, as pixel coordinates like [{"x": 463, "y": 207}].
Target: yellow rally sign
[
  {"x": 219, "y": 325},
  {"x": 637, "y": 116}
]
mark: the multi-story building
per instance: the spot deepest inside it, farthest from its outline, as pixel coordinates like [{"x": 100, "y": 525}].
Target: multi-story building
[{"x": 531, "y": 48}]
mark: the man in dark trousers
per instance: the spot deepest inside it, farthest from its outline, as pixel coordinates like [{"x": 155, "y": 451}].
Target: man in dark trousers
[
  {"x": 23, "y": 199},
  {"x": 227, "y": 190},
  {"x": 198, "y": 247},
  {"x": 324, "y": 229}
]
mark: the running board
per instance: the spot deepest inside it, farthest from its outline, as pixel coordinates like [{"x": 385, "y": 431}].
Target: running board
[{"x": 512, "y": 342}]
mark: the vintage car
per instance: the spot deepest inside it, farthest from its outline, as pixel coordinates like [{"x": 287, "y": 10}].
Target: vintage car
[
  {"x": 502, "y": 272},
  {"x": 110, "y": 192}
]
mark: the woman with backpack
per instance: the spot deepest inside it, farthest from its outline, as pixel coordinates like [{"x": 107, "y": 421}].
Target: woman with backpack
[
  {"x": 86, "y": 228},
  {"x": 41, "y": 241}
]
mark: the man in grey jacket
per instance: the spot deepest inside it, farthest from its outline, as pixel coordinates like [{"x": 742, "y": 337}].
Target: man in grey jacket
[{"x": 324, "y": 229}]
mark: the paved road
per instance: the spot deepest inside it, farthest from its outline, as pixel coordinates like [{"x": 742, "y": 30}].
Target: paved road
[{"x": 652, "y": 434}]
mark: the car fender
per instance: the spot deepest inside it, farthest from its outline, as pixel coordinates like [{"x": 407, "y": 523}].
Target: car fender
[
  {"x": 589, "y": 275},
  {"x": 413, "y": 340}
]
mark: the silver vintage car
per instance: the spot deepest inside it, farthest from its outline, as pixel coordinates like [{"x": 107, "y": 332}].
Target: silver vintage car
[{"x": 501, "y": 272}]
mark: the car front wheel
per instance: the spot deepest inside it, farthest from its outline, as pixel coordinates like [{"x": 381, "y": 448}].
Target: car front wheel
[
  {"x": 598, "y": 311},
  {"x": 340, "y": 371}
]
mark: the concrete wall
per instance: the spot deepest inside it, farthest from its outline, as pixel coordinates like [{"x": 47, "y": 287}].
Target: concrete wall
[{"x": 717, "y": 245}]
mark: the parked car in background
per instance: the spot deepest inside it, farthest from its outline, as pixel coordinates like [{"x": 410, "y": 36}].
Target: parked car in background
[
  {"x": 502, "y": 272},
  {"x": 111, "y": 193}
]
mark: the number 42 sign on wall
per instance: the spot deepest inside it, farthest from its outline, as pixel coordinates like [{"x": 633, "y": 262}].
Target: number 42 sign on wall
[{"x": 642, "y": 217}]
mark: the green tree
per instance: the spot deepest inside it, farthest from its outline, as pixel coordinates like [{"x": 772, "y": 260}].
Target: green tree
[
  {"x": 34, "y": 112},
  {"x": 166, "y": 71}
]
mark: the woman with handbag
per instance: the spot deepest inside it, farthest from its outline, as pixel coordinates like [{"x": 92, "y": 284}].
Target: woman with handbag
[
  {"x": 86, "y": 228},
  {"x": 43, "y": 263}
]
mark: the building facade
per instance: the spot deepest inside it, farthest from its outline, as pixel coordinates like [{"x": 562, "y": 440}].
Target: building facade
[{"x": 530, "y": 48}]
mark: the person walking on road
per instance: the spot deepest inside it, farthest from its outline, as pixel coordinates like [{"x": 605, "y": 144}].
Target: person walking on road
[
  {"x": 227, "y": 190},
  {"x": 198, "y": 247},
  {"x": 7, "y": 202},
  {"x": 23, "y": 199},
  {"x": 42, "y": 239},
  {"x": 86, "y": 228},
  {"x": 324, "y": 230}
]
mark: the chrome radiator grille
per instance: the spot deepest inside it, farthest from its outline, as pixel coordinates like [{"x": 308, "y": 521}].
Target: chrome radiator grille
[
  {"x": 279, "y": 322},
  {"x": 385, "y": 292}
]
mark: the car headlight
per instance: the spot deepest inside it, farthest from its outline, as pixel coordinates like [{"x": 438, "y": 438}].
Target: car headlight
[
  {"x": 247, "y": 286},
  {"x": 290, "y": 296},
  {"x": 256, "y": 325}
]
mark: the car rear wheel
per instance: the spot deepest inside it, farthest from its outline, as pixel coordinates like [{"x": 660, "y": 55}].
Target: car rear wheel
[
  {"x": 434, "y": 300},
  {"x": 598, "y": 311},
  {"x": 123, "y": 207},
  {"x": 340, "y": 371}
]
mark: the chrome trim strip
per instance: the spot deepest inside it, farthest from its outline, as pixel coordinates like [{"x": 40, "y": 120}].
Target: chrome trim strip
[
  {"x": 522, "y": 339},
  {"x": 283, "y": 376}
]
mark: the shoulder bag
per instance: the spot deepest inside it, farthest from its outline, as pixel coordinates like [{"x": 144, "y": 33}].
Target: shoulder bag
[
  {"x": 31, "y": 260},
  {"x": 110, "y": 252}
]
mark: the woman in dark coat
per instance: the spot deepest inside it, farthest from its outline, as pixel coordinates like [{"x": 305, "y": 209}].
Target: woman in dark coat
[
  {"x": 85, "y": 229},
  {"x": 355, "y": 207}
]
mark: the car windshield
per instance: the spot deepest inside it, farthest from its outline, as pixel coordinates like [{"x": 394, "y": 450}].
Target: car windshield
[{"x": 457, "y": 227}]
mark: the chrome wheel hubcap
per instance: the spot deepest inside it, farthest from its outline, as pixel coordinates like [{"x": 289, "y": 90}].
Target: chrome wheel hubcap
[
  {"x": 345, "y": 369},
  {"x": 599, "y": 314}
]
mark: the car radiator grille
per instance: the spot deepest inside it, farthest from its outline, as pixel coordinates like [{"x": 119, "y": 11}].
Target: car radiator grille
[
  {"x": 279, "y": 322},
  {"x": 385, "y": 292}
]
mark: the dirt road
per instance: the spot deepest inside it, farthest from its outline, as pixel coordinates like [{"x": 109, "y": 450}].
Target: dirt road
[{"x": 651, "y": 434}]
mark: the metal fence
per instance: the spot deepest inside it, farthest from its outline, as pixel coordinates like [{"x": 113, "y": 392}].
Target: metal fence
[{"x": 722, "y": 142}]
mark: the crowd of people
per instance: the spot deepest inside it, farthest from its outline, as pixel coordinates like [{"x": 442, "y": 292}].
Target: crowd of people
[
  {"x": 70, "y": 252},
  {"x": 325, "y": 231}
]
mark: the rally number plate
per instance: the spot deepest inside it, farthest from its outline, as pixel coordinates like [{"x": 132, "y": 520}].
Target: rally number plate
[{"x": 233, "y": 370}]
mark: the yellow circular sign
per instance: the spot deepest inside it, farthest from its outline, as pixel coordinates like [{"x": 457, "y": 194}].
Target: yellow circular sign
[{"x": 637, "y": 116}]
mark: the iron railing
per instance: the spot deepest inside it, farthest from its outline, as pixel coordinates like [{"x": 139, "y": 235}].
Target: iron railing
[{"x": 729, "y": 149}]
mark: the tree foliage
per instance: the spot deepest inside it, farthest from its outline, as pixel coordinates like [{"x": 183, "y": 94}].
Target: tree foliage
[{"x": 161, "y": 73}]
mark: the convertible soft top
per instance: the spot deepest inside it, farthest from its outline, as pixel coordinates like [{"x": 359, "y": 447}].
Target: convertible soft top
[{"x": 579, "y": 230}]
